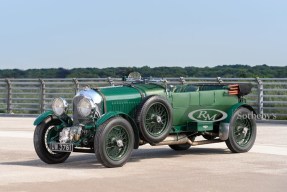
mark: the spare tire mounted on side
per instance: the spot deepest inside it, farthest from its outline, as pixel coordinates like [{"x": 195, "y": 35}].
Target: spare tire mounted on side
[{"x": 154, "y": 118}]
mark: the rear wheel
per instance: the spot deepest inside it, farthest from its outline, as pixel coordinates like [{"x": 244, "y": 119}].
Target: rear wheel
[
  {"x": 180, "y": 147},
  {"x": 242, "y": 131},
  {"x": 44, "y": 133},
  {"x": 208, "y": 137},
  {"x": 114, "y": 142}
]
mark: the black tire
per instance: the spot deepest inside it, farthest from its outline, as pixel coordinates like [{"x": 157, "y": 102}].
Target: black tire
[
  {"x": 242, "y": 131},
  {"x": 180, "y": 147},
  {"x": 114, "y": 142},
  {"x": 208, "y": 137},
  {"x": 40, "y": 142},
  {"x": 154, "y": 119}
]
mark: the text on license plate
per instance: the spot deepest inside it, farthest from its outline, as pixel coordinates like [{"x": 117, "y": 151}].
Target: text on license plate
[{"x": 63, "y": 147}]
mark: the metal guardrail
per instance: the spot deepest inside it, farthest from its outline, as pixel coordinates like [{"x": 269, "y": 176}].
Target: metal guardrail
[{"x": 33, "y": 96}]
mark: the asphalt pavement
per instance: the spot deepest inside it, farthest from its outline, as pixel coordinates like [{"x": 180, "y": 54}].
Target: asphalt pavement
[{"x": 209, "y": 167}]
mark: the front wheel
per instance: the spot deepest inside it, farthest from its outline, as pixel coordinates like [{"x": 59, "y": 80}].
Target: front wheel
[
  {"x": 43, "y": 134},
  {"x": 114, "y": 142},
  {"x": 242, "y": 131}
]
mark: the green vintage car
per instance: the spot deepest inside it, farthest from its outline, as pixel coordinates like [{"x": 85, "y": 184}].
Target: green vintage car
[{"x": 112, "y": 121}]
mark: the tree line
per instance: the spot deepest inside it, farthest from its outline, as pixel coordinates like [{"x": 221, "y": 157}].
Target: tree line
[{"x": 238, "y": 70}]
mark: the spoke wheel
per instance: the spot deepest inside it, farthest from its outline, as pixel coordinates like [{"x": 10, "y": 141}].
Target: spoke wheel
[
  {"x": 45, "y": 133},
  {"x": 242, "y": 131},
  {"x": 154, "y": 118},
  {"x": 114, "y": 142},
  {"x": 117, "y": 142}
]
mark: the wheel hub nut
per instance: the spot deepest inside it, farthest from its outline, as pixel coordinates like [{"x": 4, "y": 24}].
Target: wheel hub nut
[
  {"x": 120, "y": 143},
  {"x": 158, "y": 119}
]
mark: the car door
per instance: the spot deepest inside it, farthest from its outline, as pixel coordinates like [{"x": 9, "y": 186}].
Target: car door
[{"x": 182, "y": 104}]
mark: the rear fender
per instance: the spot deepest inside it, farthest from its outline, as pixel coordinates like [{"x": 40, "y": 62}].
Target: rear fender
[
  {"x": 109, "y": 115},
  {"x": 233, "y": 108},
  {"x": 224, "y": 125}
]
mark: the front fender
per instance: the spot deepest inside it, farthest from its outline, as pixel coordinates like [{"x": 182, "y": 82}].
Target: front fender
[
  {"x": 65, "y": 119},
  {"x": 43, "y": 116},
  {"x": 107, "y": 116},
  {"x": 112, "y": 114}
]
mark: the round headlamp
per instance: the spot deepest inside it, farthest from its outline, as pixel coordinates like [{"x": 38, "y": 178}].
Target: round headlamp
[
  {"x": 85, "y": 107},
  {"x": 59, "y": 106}
]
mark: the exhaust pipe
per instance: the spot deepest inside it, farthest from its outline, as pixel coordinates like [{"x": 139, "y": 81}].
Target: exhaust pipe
[
  {"x": 183, "y": 139},
  {"x": 174, "y": 140},
  {"x": 203, "y": 142}
]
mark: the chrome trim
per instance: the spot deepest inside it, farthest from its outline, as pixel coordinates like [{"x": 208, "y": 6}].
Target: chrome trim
[
  {"x": 104, "y": 100},
  {"x": 90, "y": 93},
  {"x": 223, "y": 131},
  {"x": 95, "y": 97}
]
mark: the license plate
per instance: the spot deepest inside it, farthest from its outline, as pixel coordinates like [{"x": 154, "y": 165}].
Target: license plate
[{"x": 62, "y": 147}]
